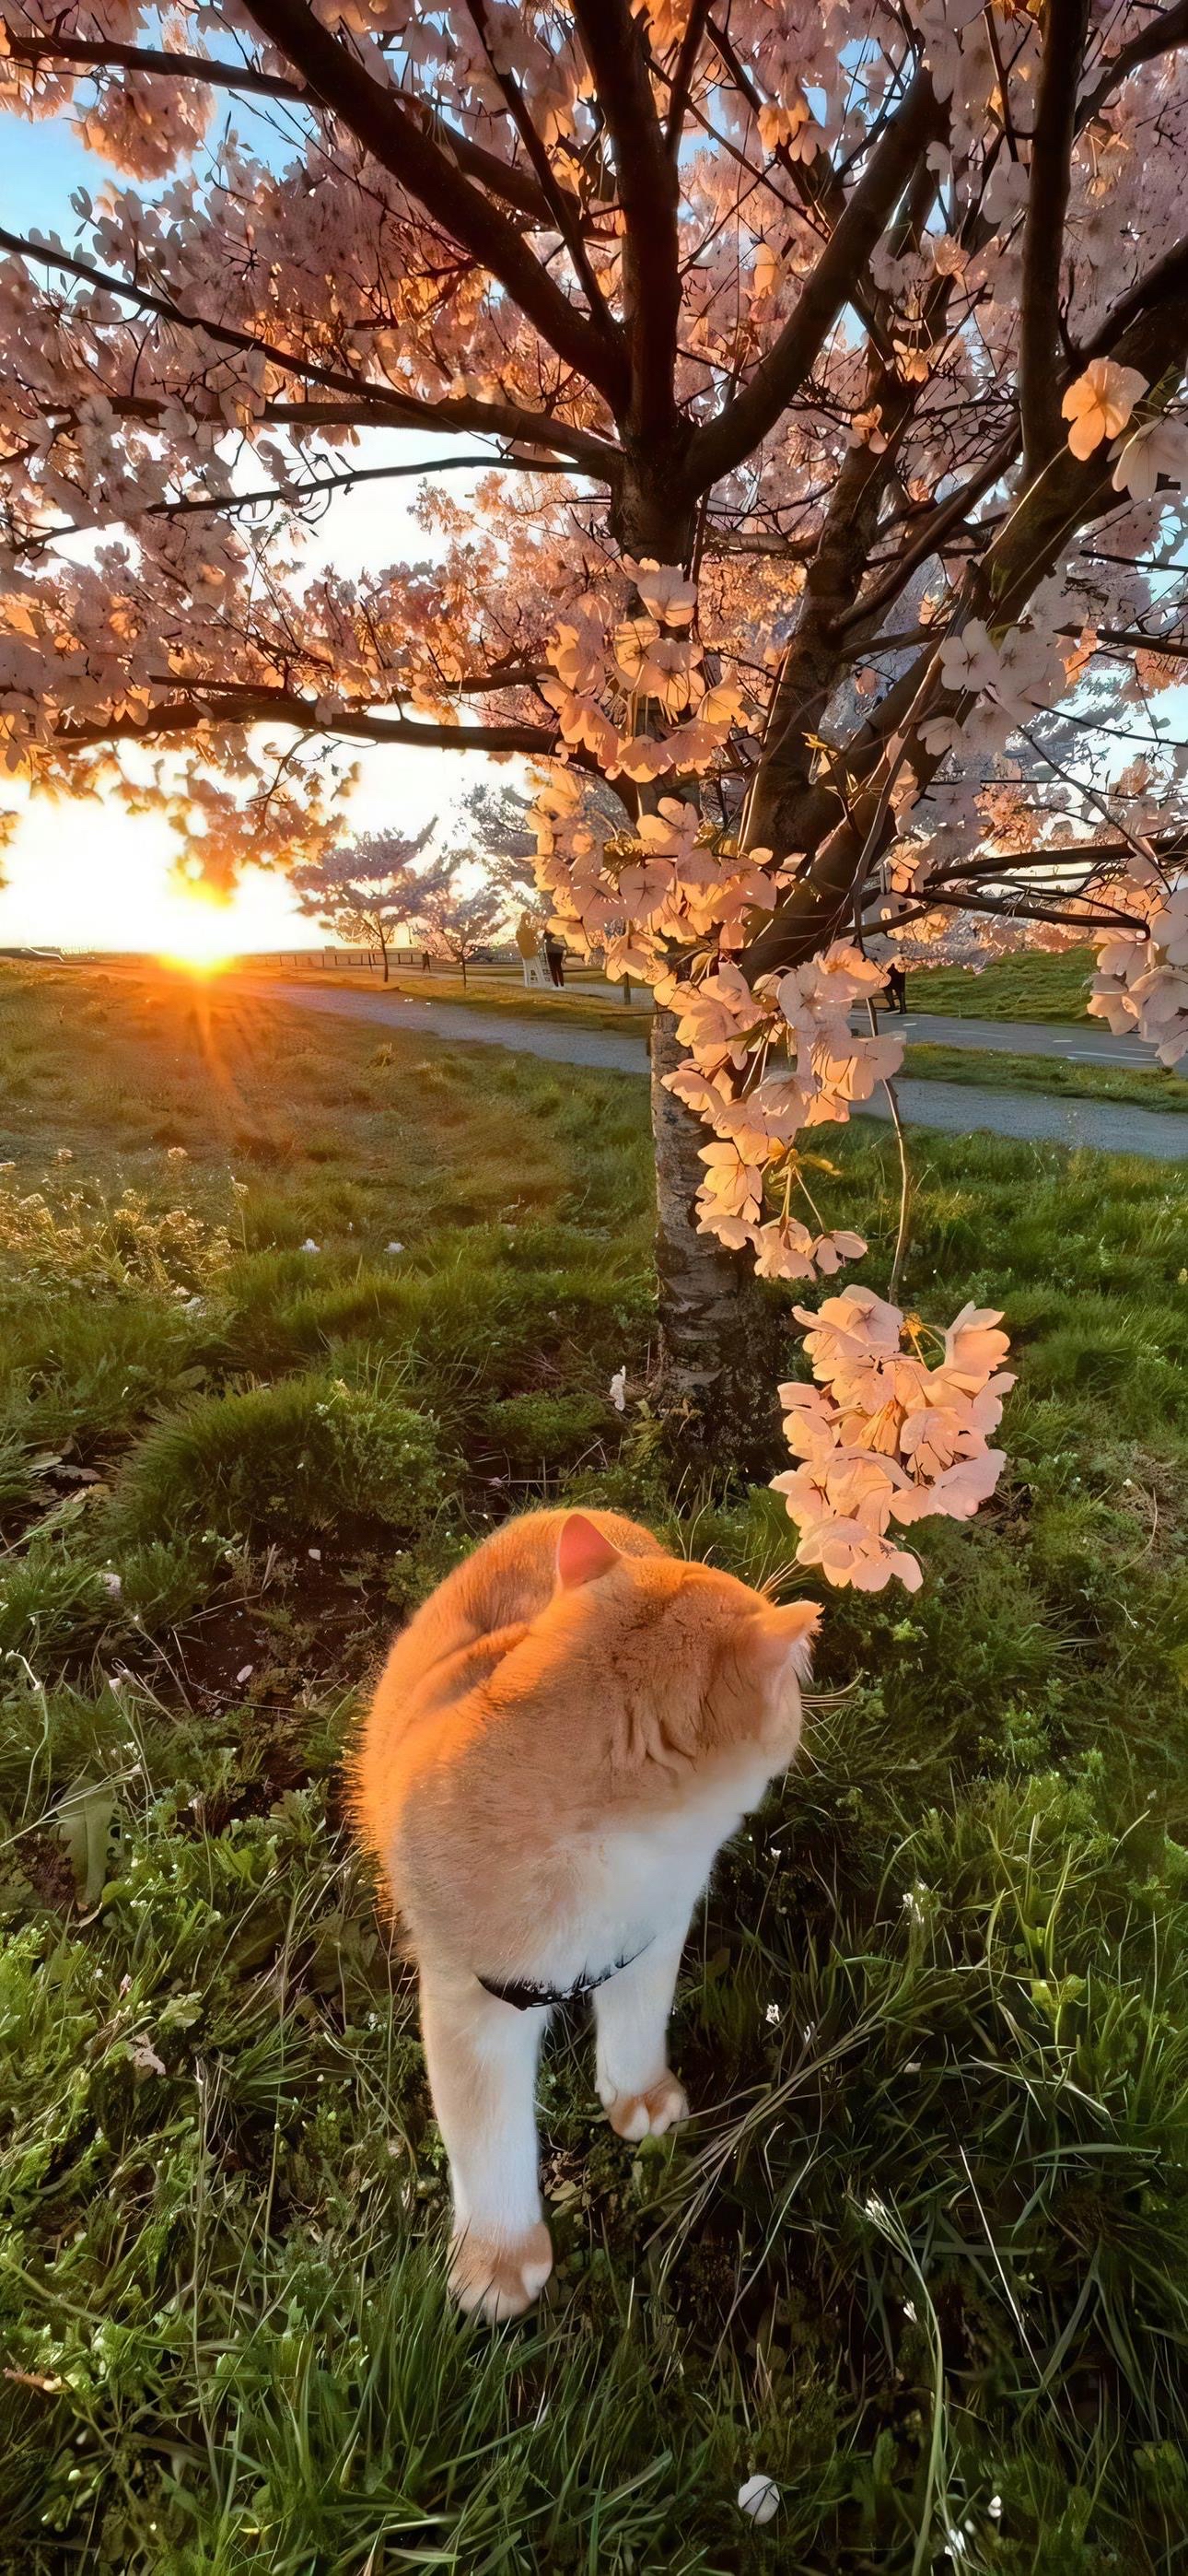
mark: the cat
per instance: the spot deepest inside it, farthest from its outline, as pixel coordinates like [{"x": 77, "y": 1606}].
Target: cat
[{"x": 560, "y": 1741}]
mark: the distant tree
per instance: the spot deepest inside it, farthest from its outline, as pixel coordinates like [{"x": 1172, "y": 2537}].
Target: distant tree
[
  {"x": 371, "y": 888},
  {"x": 501, "y": 825},
  {"x": 458, "y": 922},
  {"x": 498, "y": 820}
]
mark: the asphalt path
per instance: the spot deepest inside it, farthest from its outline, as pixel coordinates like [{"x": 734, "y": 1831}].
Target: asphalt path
[{"x": 954, "y": 1108}]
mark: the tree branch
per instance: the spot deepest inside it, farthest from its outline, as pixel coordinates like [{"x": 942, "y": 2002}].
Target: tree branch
[
  {"x": 1167, "y": 30},
  {"x": 87, "y": 55},
  {"x": 401, "y": 145},
  {"x": 1033, "y": 538},
  {"x": 724, "y": 443},
  {"x": 1173, "y": 648},
  {"x": 285, "y": 706},
  {"x": 372, "y": 404},
  {"x": 1009, "y": 908},
  {"x": 1040, "y": 354},
  {"x": 561, "y": 209},
  {"x": 517, "y": 187},
  {"x": 942, "y": 519},
  {"x": 649, "y": 193},
  {"x": 682, "y": 79},
  {"x": 195, "y": 504},
  {"x": 816, "y": 182},
  {"x": 1161, "y": 284}
]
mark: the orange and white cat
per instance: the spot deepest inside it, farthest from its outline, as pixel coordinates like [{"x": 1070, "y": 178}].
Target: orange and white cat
[{"x": 560, "y": 1741}]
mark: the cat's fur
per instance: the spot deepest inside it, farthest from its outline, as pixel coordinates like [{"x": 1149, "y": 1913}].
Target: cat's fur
[{"x": 560, "y": 1741}]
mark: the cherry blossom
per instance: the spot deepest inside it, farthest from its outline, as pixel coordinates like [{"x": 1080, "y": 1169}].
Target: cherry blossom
[
  {"x": 1100, "y": 403},
  {"x": 664, "y": 592},
  {"x": 777, "y": 562},
  {"x": 887, "y": 1434},
  {"x": 1141, "y": 982},
  {"x": 1161, "y": 447}
]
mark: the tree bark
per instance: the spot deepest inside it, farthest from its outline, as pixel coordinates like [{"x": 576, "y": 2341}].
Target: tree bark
[{"x": 719, "y": 1331}]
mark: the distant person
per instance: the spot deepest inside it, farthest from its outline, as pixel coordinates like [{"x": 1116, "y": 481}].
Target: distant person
[
  {"x": 528, "y": 943},
  {"x": 554, "y": 950},
  {"x": 881, "y": 952},
  {"x": 426, "y": 962}
]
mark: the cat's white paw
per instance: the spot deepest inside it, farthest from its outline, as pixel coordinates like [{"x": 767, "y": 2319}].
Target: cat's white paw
[
  {"x": 498, "y": 2280},
  {"x": 646, "y": 2115}
]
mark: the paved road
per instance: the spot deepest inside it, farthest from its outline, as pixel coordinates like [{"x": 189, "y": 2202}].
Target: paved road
[
  {"x": 1078, "y": 1042},
  {"x": 953, "y": 1107}
]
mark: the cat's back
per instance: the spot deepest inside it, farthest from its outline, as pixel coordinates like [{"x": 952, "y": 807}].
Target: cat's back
[
  {"x": 504, "y": 1584},
  {"x": 509, "y": 1578}
]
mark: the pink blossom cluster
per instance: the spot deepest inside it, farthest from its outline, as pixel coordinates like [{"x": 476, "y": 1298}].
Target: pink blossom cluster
[
  {"x": 762, "y": 1066},
  {"x": 610, "y": 664},
  {"x": 994, "y": 684},
  {"x": 1141, "y": 983},
  {"x": 884, "y": 1437}
]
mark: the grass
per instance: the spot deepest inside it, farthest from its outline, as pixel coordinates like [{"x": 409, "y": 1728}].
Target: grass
[
  {"x": 1031, "y": 986},
  {"x": 922, "y": 2256},
  {"x": 983, "y": 1067}
]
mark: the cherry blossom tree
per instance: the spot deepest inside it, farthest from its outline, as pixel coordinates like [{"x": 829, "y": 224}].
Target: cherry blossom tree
[
  {"x": 371, "y": 888},
  {"x": 819, "y": 374},
  {"x": 460, "y": 920},
  {"x": 500, "y": 826}
]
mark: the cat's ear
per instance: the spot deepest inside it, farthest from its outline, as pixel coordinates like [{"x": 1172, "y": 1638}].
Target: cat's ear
[
  {"x": 786, "y": 1637},
  {"x": 583, "y": 1553}
]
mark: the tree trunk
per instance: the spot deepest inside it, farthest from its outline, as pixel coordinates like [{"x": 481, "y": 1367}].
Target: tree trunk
[
  {"x": 384, "y": 954},
  {"x": 719, "y": 1329}
]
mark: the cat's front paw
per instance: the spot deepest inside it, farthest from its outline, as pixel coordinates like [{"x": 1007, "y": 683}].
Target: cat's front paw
[
  {"x": 498, "y": 2280},
  {"x": 646, "y": 2115}
]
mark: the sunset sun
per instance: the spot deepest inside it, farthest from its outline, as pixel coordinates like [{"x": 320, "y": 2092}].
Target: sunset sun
[{"x": 200, "y": 935}]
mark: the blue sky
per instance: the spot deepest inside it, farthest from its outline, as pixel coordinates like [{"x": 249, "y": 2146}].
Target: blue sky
[{"x": 43, "y": 164}]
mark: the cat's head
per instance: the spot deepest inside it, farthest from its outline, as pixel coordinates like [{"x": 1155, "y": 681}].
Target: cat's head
[{"x": 720, "y": 1664}]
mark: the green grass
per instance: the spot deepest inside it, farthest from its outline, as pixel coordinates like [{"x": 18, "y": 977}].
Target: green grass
[
  {"x": 984, "y": 1067},
  {"x": 1031, "y": 986},
  {"x": 925, "y": 2245}
]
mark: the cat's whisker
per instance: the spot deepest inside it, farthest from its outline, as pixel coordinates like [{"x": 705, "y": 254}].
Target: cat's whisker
[{"x": 811, "y": 1700}]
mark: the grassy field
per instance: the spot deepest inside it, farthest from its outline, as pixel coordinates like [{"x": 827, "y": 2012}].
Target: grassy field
[
  {"x": 1141, "y": 1086},
  {"x": 287, "y": 1314},
  {"x": 1027, "y": 987}
]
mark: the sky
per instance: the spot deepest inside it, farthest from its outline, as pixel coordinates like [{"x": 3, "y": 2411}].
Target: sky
[{"x": 85, "y": 874}]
